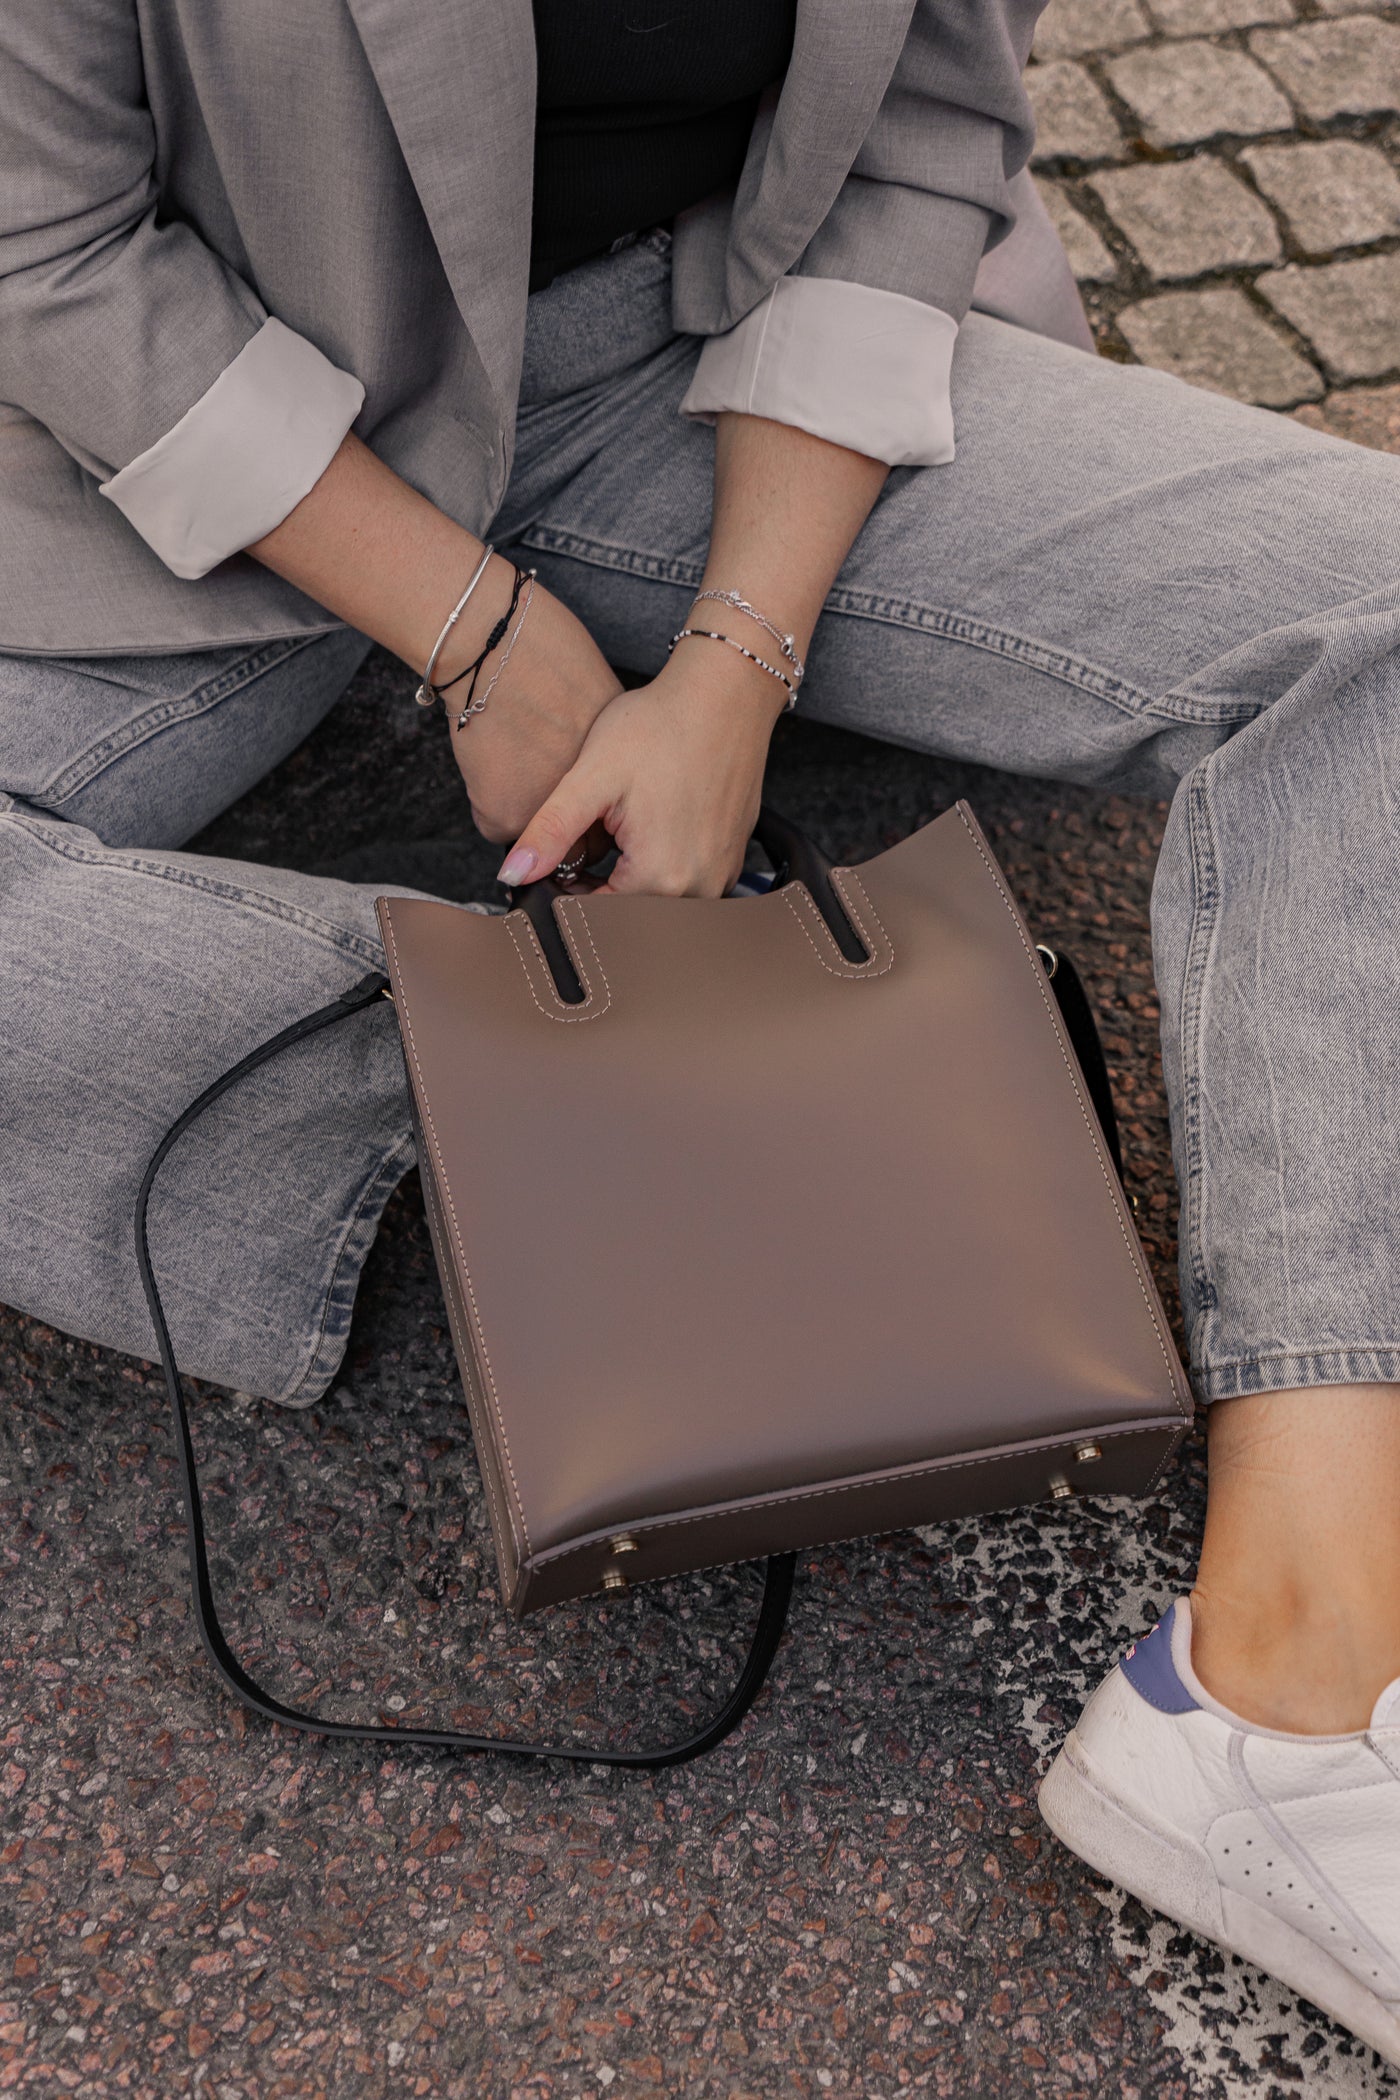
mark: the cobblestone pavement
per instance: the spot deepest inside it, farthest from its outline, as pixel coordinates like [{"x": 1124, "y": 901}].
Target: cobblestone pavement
[
  {"x": 1224, "y": 175},
  {"x": 854, "y": 1897}
]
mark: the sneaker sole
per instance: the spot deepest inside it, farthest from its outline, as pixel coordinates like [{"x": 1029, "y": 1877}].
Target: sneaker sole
[{"x": 1171, "y": 1874}]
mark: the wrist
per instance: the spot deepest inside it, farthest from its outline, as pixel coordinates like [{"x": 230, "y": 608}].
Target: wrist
[
  {"x": 724, "y": 685},
  {"x": 472, "y": 628},
  {"x": 737, "y": 646}
]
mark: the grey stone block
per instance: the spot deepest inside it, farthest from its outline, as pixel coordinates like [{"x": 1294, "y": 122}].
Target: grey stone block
[
  {"x": 1349, "y": 312},
  {"x": 1362, "y": 415},
  {"x": 1183, "y": 93},
  {"x": 1201, "y": 17},
  {"x": 1068, "y": 27},
  {"x": 1217, "y": 340},
  {"x": 1188, "y": 217},
  {"x": 1334, "y": 69},
  {"x": 1089, "y": 255},
  {"x": 1334, "y": 193},
  {"x": 1072, "y": 116}
]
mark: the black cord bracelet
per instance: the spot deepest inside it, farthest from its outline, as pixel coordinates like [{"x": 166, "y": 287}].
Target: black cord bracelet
[{"x": 493, "y": 640}]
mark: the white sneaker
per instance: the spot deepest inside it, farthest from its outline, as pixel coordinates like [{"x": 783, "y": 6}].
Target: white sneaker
[{"x": 1282, "y": 1848}]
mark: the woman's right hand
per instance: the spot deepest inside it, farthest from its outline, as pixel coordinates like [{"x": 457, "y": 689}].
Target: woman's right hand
[{"x": 514, "y": 754}]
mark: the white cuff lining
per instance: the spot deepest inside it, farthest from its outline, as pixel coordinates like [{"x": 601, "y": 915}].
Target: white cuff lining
[
  {"x": 858, "y": 366},
  {"x": 243, "y": 457}
]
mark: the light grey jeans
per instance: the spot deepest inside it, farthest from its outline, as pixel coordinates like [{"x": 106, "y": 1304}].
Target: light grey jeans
[{"x": 1119, "y": 580}]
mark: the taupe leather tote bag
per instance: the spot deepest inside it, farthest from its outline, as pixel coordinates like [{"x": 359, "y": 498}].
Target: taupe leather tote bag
[{"x": 837, "y": 1244}]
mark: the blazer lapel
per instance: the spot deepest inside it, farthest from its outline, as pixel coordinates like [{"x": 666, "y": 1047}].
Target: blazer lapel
[
  {"x": 458, "y": 80},
  {"x": 842, "y": 59}
]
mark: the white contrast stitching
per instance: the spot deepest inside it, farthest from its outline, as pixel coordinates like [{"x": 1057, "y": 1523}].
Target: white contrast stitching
[
  {"x": 402, "y": 1005},
  {"x": 1170, "y": 1453},
  {"x": 841, "y": 877},
  {"x": 592, "y": 1005},
  {"x": 550, "y": 1558},
  {"x": 565, "y": 917},
  {"x": 471, "y": 1376},
  {"x": 791, "y": 894},
  {"x": 1090, "y": 1120}
]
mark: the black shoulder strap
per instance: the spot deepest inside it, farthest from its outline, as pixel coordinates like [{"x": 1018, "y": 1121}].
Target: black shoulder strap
[
  {"x": 1083, "y": 1033},
  {"x": 777, "y": 1590}
]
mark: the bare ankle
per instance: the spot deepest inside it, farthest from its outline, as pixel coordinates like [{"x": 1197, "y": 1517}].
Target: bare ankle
[
  {"x": 1296, "y": 1610},
  {"x": 1305, "y": 1665}
]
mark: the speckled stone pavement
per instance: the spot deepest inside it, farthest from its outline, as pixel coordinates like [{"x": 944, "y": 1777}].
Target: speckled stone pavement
[{"x": 854, "y": 1896}]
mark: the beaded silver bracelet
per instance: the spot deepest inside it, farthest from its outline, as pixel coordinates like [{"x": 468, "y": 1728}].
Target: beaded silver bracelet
[
  {"x": 786, "y": 647},
  {"x": 427, "y": 692},
  {"x": 712, "y": 634}
]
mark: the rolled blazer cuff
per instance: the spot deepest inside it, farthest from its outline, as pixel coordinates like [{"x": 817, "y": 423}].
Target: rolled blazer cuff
[
  {"x": 243, "y": 457},
  {"x": 861, "y": 367}
]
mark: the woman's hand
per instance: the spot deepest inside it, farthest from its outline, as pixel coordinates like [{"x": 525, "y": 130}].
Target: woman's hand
[
  {"x": 674, "y": 771},
  {"x": 514, "y": 754},
  {"x": 372, "y": 549}
]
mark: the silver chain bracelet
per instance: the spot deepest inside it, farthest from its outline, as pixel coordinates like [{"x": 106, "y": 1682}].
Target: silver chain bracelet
[
  {"x": 474, "y": 707},
  {"x": 786, "y": 646}
]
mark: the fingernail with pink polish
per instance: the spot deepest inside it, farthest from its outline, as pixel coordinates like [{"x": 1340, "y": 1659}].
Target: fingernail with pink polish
[{"x": 518, "y": 866}]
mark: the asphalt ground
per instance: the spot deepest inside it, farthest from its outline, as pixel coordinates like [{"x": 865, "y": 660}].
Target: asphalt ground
[{"x": 853, "y": 1896}]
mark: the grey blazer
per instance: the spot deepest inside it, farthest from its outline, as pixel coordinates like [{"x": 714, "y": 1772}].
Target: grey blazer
[{"x": 249, "y": 226}]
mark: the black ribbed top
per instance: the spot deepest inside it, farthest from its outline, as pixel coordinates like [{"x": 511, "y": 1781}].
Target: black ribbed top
[{"x": 645, "y": 106}]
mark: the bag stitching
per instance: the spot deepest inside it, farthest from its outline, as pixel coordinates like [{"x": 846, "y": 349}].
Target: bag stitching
[
  {"x": 1090, "y": 1121},
  {"x": 840, "y": 878},
  {"x": 431, "y": 1128},
  {"x": 565, "y": 918},
  {"x": 592, "y": 1006},
  {"x": 645, "y": 1529},
  {"x": 848, "y": 970},
  {"x": 1173, "y": 1446},
  {"x": 471, "y": 1380}
]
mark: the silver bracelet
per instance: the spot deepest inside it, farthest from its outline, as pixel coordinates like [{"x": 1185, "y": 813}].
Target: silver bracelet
[
  {"x": 427, "y": 692},
  {"x": 474, "y": 707},
  {"x": 712, "y": 634},
  {"x": 786, "y": 647}
]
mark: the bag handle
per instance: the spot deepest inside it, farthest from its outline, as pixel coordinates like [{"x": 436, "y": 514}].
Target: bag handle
[
  {"x": 795, "y": 859},
  {"x": 778, "y": 1581}
]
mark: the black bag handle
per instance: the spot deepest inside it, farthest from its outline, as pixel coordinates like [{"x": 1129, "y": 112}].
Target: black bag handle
[{"x": 777, "y": 1587}]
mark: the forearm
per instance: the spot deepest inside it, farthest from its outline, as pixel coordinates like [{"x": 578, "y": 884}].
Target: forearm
[
  {"x": 787, "y": 509},
  {"x": 674, "y": 771},
  {"x": 383, "y": 558}
]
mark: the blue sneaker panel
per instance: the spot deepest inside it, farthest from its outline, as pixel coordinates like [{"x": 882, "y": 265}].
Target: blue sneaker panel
[{"x": 1149, "y": 1669}]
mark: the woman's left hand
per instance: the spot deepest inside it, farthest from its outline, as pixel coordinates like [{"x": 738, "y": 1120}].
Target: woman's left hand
[{"x": 673, "y": 771}]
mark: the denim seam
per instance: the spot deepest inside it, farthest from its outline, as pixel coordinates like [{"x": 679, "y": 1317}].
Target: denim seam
[
  {"x": 356, "y": 944},
  {"x": 1205, "y": 885},
  {"x": 1360, "y": 1363},
  {"x": 164, "y": 712},
  {"x": 338, "y": 1297},
  {"x": 906, "y": 612}
]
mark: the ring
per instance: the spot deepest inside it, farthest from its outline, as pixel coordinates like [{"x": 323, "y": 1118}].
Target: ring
[{"x": 568, "y": 869}]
